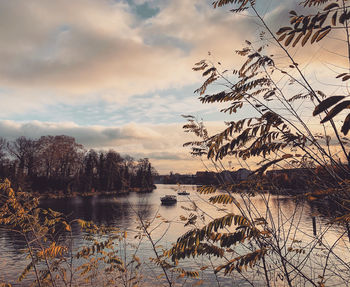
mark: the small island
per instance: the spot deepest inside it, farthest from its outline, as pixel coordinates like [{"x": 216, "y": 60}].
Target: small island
[{"x": 58, "y": 166}]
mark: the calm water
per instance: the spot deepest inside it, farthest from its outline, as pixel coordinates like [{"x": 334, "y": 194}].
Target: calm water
[{"x": 121, "y": 212}]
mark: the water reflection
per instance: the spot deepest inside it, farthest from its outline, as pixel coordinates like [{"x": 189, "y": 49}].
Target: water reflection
[{"x": 123, "y": 212}]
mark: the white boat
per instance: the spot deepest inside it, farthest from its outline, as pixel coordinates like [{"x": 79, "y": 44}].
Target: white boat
[
  {"x": 183, "y": 192},
  {"x": 168, "y": 199}
]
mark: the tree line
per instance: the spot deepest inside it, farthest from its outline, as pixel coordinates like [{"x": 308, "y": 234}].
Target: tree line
[{"x": 59, "y": 163}]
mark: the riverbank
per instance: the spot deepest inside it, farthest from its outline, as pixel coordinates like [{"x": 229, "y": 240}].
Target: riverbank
[{"x": 63, "y": 194}]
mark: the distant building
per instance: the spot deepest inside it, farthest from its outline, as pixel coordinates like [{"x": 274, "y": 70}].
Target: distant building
[
  {"x": 234, "y": 176},
  {"x": 302, "y": 172},
  {"x": 242, "y": 174},
  {"x": 294, "y": 178},
  {"x": 175, "y": 178},
  {"x": 203, "y": 177},
  {"x": 206, "y": 177}
]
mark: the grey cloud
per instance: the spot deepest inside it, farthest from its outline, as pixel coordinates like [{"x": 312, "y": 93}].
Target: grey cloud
[
  {"x": 84, "y": 46},
  {"x": 71, "y": 48},
  {"x": 125, "y": 137},
  {"x": 88, "y": 136},
  {"x": 162, "y": 155},
  {"x": 153, "y": 141}
]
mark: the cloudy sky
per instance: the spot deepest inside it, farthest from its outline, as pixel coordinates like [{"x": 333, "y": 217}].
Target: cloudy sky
[{"x": 116, "y": 74}]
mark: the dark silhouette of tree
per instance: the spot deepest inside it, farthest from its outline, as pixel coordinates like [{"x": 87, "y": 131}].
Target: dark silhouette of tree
[
  {"x": 144, "y": 174},
  {"x": 60, "y": 156},
  {"x": 89, "y": 176},
  {"x": 59, "y": 163},
  {"x": 6, "y": 168},
  {"x": 24, "y": 150},
  {"x": 113, "y": 165},
  {"x": 3, "y": 145}
]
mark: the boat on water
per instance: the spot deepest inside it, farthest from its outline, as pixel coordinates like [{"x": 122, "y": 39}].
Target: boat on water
[
  {"x": 183, "y": 192},
  {"x": 168, "y": 199}
]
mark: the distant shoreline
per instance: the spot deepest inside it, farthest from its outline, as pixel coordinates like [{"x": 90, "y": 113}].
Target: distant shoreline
[{"x": 62, "y": 194}]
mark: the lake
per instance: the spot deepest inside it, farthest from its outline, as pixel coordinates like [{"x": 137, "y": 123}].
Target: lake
[{"x": 121, "y": 212}]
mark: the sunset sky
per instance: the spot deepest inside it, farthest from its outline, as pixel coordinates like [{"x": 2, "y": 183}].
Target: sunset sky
[{"x": 117, "y": 74}]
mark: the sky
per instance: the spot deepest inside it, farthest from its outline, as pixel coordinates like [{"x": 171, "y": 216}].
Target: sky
[{"x": 117, "y": 74}]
